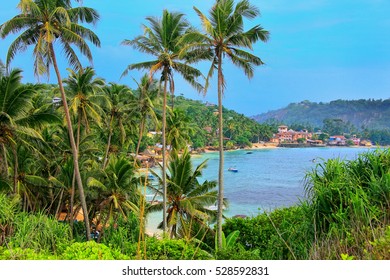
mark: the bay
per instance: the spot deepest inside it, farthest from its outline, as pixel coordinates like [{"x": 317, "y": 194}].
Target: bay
[{"x": 266, "y": 178}]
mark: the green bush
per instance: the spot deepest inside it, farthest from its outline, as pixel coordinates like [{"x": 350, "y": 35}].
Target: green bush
[
  {"x": 379, "y": 249},
  {"x": 349, "y": 202},
  {"x": 123, "y": 235},
  {"x": 282, "y": 234},
  {"x": 25, "y": 254},
  {"x": 173, "y": 249},
  {"x": 8, "y": 210},
  {"x": 39, "y": 233},
  {"x": 92, "y": 251},
  {"x": 350, "y": 193}
]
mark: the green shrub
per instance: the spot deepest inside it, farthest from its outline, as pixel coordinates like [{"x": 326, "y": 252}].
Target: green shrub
[
  {"x": 379, "y": 249},
  {"x": 8, "y": 210},
  {"x": 123, "y": 235},
  {"x": 349, "y": 202},
  {"x": 350, "y": 193},
  {"x": 173, "y": 249},
  {"x": 281, "y": 234},
  {"x": 39, "y": 233},
  {"x": 25, "y": 254},
  {"x": 92, "y": 251}
]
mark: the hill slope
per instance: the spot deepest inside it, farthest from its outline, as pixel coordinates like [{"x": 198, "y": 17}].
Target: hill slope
[{"x": 372, "y": 114}]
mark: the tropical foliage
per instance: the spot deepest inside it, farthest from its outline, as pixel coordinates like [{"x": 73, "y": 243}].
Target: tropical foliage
[
  {"x": 98, "y": 135},
  {"x": 188, "y": 199}
]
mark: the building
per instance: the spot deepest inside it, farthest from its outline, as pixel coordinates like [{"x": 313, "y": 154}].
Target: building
[
  {"x": 286, "y": 135},
  {"x": 337, "y": 140}
]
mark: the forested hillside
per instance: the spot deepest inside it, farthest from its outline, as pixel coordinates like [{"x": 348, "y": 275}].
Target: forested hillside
[
  {"x": 363, "y": 114},
  {"x": 239, "y": 130}
]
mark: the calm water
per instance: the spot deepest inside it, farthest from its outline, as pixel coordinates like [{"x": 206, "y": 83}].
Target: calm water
[{"x": 266, "y": 178}]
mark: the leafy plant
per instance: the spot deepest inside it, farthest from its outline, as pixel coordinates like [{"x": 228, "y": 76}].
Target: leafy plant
[
  {"x": 172, "y": 249},
  {"x": 8, "y": 210},
  {"x": 39, "y": 233},
  {"x": 92, "y": 251}
]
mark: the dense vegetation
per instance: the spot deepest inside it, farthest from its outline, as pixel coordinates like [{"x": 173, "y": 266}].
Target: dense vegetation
[
  {"x": 73, "y": 186},
  {"x": 345, "y": 216},
  {"x": 367, "y": 118}
]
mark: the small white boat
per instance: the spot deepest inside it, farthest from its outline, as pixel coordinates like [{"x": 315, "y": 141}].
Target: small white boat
[{"x": 232, "y": 169}]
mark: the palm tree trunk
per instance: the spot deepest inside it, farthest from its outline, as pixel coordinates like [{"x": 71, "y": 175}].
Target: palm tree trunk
[
  {"x": 141, "y": 132},
  {"x": 5, "y": 161},
  {"x": 108, "y": 143},
  {"x": 221, "y": 155},
  {"x": 72, "y": 194},
  {"x": 16, "y": 167},
  {"x": 59, "y": 206},
  {"x": 164, "y": 149},
  {"x": 73, "y": 145}
]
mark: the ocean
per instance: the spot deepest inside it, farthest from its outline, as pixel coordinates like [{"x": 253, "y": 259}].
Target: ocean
[{"x": 266, "y": 178}]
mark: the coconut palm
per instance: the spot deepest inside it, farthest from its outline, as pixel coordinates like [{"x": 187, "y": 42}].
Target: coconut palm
[
  {"x": 224, "y": 37},
  {"x": 188, "y": 199},
  {"x": 163, "y": 40},
  {"x": 144, "y": 105},
  {"x": 18, "y": 119},
  {"x": 118, "y": 190},
  {"x": 179, "y": 129},
  {"x": 43, "y": 23},
  {"x": 83, "y": 87},
  {"x": 116, "y": 110},
  {"x": 30, "y": 185}
]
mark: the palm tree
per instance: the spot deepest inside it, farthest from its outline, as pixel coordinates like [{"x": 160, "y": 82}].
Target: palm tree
[
  {"x": 82, "y": 86},
  {"x": 179, "y": 129},
  {"x": 163, "y": 40},
  {"x": 188, "y": 199},
  {"x": 144, "y": 105},
  {"x": 118, "y": 190},
  {"x": 224, "y": 36},
  {"x": 117, "y": 107},
  {"x": 44, "y": 23},
  {"x": 18, "y": 119}
]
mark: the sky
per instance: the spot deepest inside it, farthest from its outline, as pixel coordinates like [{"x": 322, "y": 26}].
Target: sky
[{"x": 319, "y": 50}]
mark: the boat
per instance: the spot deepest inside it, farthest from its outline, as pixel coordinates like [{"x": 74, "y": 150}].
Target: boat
[
  {"x": 232, "y": 169},
  {"x": 248, "y": 153}
]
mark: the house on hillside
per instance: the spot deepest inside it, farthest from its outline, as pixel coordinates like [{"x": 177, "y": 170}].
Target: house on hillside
[{"x": 286, "y": 135}]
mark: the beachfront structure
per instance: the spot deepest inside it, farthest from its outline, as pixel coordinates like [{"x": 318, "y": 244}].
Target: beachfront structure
[
  {"x": 286, "y": 135},
  {"x": 337, "y": 140}
]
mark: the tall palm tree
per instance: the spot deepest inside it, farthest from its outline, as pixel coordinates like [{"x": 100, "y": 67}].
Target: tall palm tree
[
  {"x": 116, "y": 110},
  {"x": 224, "y": 36},
  {"x": 163, "y": 40},
  {"x": 144, "y": 105},
  {"x": 43, "y": 23},
  {"x": 188, "y": 199},
  {"x": 83, "y": 87}
]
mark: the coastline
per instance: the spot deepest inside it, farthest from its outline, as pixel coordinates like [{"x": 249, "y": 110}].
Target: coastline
[{"x": 255, "y": 146}]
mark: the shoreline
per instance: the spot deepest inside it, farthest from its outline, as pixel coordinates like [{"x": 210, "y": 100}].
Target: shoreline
[{"x": 255, "y": 146}]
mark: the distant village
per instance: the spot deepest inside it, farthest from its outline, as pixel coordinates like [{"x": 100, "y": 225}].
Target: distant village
[{"x": 288, "y": 137}]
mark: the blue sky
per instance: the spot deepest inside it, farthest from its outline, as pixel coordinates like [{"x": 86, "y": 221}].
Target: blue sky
[{"x": 319, "y": 50}]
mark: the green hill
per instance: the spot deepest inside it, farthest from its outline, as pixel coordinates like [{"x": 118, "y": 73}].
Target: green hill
[
  {"x": 239, "y": 130},
  {"x": 369, "y": 114}
]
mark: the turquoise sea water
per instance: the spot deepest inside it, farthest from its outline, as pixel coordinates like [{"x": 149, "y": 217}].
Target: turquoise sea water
[{"x": 266, "y": 178}]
